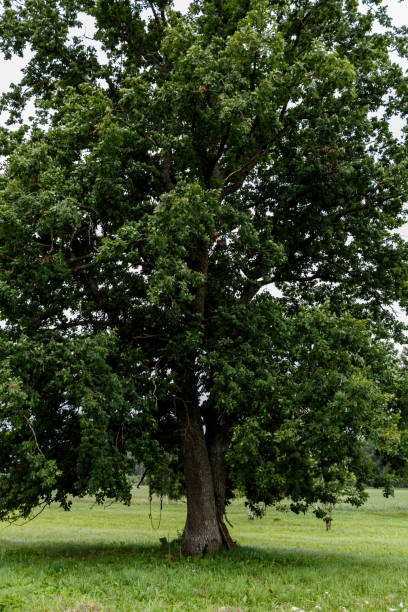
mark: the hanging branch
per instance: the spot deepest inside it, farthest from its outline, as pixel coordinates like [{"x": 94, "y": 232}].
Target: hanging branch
[{"x": 35, "y": 437}]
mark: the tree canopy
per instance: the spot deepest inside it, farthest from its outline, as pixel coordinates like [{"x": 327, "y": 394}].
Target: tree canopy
[{"x": 174, "y": 167}]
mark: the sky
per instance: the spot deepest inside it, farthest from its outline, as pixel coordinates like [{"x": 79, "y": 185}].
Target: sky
[{"x": 10, "y": 71}]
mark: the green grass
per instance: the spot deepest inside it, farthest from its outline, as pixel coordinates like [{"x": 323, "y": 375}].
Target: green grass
[{"x": 110, "y": 559}]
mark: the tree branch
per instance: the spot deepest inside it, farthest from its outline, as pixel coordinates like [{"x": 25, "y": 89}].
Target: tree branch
[
  {"x": 247, "y": 166},
  {"x": 165, "y": 173},
  {"x": 365, "y": 206},
  {"x": 303, "y": 22},
  {"x": 157, "y": 20},
  {"x": 250, "y": 163}
]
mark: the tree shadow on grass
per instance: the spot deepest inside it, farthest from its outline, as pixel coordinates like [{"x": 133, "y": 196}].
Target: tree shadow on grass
[
  {"x": 77, "y": 551},
  {"x": 70, "y": 552}
]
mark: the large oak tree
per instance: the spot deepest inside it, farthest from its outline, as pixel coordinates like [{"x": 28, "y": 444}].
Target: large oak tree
[{"x": 175, "y": 166}]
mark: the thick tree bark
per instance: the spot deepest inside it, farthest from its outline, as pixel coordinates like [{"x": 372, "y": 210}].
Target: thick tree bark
[
  {"x": 217, "y": 442},
  {"x": 202, "y": 530},
  {"x": 217, "y": 450},
  {"x": 205, "y": 474}
]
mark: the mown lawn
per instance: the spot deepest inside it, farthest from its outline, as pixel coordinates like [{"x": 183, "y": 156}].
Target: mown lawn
[{"x": 111, "y": 559}]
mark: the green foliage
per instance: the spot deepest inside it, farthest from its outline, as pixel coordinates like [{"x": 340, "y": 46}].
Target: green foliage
[{"x": 144, "y": 210}]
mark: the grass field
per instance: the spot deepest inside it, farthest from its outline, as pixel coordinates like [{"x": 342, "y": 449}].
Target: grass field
[{"x": 110, "y": 559}]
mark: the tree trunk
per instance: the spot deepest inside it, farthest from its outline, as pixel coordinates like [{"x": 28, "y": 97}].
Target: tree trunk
[
  {"x": 217, "y": 442},
  {"x": 202, "y": 531},
  {"x": 217, "y": 448}
]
